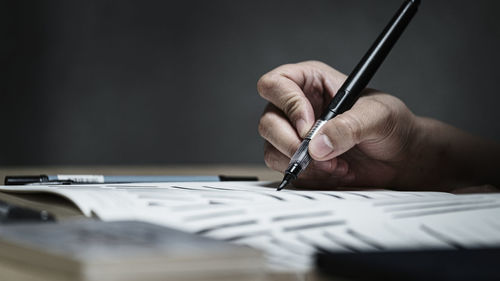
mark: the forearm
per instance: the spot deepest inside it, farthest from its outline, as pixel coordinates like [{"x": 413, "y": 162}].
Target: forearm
[{"x": 447, "y": 158}]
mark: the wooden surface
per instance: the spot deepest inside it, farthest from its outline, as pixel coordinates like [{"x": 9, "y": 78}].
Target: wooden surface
[{"x": 261, "y": 171}]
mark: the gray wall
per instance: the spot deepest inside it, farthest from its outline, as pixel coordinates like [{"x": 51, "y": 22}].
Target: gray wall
[{"x": 165, "y": 82}]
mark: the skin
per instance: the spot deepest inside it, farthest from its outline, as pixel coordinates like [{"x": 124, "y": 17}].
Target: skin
[{"x": 379, "y": 142}]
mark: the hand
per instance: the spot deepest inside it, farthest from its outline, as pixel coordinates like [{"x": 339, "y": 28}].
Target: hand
[
  {"x": 379, "y": 142},
  {"x": 368, "y": 145}
]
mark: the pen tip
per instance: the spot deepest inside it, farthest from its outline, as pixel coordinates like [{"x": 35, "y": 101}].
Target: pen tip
[
  {"x": 286, "y": 180},
  {"x": 283, "y": 184}
]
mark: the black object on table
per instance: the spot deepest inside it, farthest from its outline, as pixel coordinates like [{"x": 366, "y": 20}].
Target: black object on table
[
  {"x": 466, "y": 264},
  {"x": 15, "y": 214}
]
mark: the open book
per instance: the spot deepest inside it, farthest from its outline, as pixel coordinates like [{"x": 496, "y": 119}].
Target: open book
[{"x": 290, "y": 225}]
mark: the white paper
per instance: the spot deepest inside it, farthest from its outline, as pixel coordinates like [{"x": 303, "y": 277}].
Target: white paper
[{"x": 290, "y": 225}]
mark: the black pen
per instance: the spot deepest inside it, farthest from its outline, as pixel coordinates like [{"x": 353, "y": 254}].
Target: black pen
[
  {"x": 104, "y": 179},
  {"x": 349, "y": 92}
]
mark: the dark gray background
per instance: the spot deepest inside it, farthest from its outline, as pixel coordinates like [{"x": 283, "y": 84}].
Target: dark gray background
[{"x": 166, "y": 82}]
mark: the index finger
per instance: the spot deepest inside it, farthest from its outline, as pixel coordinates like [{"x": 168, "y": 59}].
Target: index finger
[
  {"x": 299, "y": 90},
  {"x": 282, "y": 87}
]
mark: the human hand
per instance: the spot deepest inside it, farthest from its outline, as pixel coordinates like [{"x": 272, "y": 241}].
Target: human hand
[{"x": 369, "y": 145}]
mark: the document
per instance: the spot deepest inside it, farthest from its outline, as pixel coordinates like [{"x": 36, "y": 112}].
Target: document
[{"x": 290, "y": 226}]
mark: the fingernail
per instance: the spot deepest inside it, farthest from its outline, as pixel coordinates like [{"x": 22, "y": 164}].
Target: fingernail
[
  {"x": 301, "y": 127},
  {"x": 321, "y": 145}
]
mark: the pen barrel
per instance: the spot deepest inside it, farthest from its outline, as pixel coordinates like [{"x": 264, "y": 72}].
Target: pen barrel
[
  {"x": 348, "y": 93},
  {"x": 371, "y": 61},
  {"x": 22, "y": 180},
  {"x": 314, "y": 130},
  {"x": 342, "y": 101},
  {"x": 300, "y": 160}
]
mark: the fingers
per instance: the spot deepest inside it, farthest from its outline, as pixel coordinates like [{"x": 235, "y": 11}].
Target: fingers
[
  {"x": 274, "y": 159},
  {"x": 282, "y": 88},
  {"x": 300, "y": 91},
  {"x": 368, "y": 119},
  {"x": 319, "y": 170},
  {"x": 282, "y": 142},
  {"x": 275, "y": 128}
]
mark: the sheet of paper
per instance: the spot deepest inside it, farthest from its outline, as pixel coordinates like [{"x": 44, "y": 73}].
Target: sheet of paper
[{"x": 291, "y": 225}]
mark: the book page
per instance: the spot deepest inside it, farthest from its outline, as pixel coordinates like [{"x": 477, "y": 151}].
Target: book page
[{"x": 292, "y": 225}]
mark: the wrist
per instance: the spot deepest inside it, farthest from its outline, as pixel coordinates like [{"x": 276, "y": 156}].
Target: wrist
[
  {"x": 444, "y": 157},
  {"x": 427, "y": 157}
]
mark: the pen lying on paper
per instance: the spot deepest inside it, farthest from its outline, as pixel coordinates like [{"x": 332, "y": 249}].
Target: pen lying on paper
[
  {"x": 96, "y": 179},
  {"x": 348, "y": 93}
]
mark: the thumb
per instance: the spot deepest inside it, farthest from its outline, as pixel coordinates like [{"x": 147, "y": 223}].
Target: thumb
[{"x": 364, "y": 121}]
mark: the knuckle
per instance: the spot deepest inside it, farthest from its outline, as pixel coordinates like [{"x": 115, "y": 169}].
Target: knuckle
[
  {"x": 269, "y": 158},
  {"x": 313, "y": 63},
  {"x": 265, "y": 84},
  {"x": 380, "y": 105},
  {"x": 292, "y": 105},
  {"x": 283, "y": 69},
  {"x": 263, "y": 127},
  {"x": 388, "y": 120},
  {"x": 388, "y": 114},
  {"x": 291, "y": 148},
  {"x": 349, "y": 126}
]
